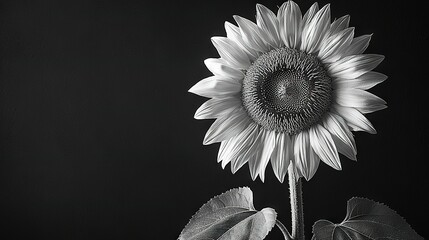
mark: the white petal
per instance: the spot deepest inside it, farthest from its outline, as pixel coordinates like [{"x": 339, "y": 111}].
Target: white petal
[
  {"x": 362, "y": 100},
  {"x": 333, "y": 48},
  {"x": 216, "y": 86},
  {"x": 266, "y": 152},
  {"x": 268, "y": 22},
  {"x": 217, "y": 107},
  {"x": 323, "y": 145},
  {"x": 233, "y": 33},
  {"x": 358, "y": 45},
  {"x": 220, "y": 67},
  {"x": 356, "y": 120},
  {"x": 354, "y": 66},
  {"x": 236, "y": 145},
  {"x": 227, "y": 127},
  {"x": 282, "y": 155},
  {"x": 231, "y": 52},
  {"x": 257, "y": 149},
  {"x": 343, "y": 148},
  {"x": 290, "y": 18},
  {"x": 306, "y": 159},
  {"x": 239, "y": 157},
  {"x": 364, "y": 82},
  {"x": 224, "y": 149},
  {"x": 340, "y": 131},
  {"x": 339, "y": 25},
  {"x": 310, "y": 14},
  {"x": 251, "y": 34},
  {"x": 316, "y": 30},
  {"x": 253, "y": 160},
  {"x": 225, "y": 156}
]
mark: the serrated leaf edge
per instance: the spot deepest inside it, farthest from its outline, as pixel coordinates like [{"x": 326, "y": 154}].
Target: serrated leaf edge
[
  {"x": 245, "y": 188},
  {"x": 339, "y": 225}
]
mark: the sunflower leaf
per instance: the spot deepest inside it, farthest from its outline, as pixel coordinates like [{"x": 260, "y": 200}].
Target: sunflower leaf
[
  {"x": 366, "y": 220},
  {"x": 230, "y": 215}
]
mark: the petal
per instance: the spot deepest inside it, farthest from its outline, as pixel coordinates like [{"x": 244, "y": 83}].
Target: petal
[
  {"x": 237, "y": 144},
  {"x": 356, "y": 120},
  {"x": 362, "y": 100},
  {"x": 267, "y": 150},
  {"x": 306, "y": 159},
  {"x": 323, "y": 145},
  {"x": 262, "y": 147},
  {"x": 253, "y": 160},
  {"x": 364, "y": 82},
  {"x": 223, "y": 148},
  {"x": 282, "y": 155},
  {"x": 216, "y": 86},
  {"x": 290, "y": 24},
  {"x": 315, "y": 31},
  {"x": 354, "y": 66},
  {"x": 231, "y": 52},
  {"x": 217, "y": 107},
  {"x": 251, "y": 34},
  {"x": 339, "y": 25},
  {"x": 340, "y": 131},
  {"x": 268, "y": 22},
  {"x": 311, "y": 12},
  {"x": 334, "y": 46},
  {"x": 227, "y": 127},
  {"x": 358, "y": 45},
  {"x": 343, "y": 148},
  {"x": 220, "y": 67},
  {"x": 233, "y": 33},
  {"x": 237, "y": 159},
  {"x": 225, "y": 154}
]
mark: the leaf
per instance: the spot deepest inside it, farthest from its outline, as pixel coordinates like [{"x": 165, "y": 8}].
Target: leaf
[
  {"x": 365, "y": 220},
  {"x": 230, "y": 215}
]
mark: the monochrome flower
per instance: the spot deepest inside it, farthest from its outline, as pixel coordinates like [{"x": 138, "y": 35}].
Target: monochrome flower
[{"x": 288, "y": 89}]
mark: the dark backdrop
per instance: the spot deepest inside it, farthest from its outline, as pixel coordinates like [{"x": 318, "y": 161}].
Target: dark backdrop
[{"x": 98, "y": 139}]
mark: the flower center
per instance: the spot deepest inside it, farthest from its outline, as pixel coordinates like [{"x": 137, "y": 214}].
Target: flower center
[{"x": 286, "y": 90}]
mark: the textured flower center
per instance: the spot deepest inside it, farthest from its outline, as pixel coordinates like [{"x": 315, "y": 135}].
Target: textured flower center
[{"x": 286, "y": 90}]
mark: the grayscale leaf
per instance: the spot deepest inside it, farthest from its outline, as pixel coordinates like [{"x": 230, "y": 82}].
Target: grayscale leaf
[
  {"x": 366, "y": 220},
  {"x": 230, "y": 216}
]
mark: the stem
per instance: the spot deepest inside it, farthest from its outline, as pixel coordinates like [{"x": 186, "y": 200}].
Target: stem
[
  {"x": 282, "y": 228},
  {"x": 296, "y": 204}
]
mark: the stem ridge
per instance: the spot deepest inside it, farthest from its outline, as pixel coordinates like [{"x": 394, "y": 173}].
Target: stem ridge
[{"x": 296, "y": 204}]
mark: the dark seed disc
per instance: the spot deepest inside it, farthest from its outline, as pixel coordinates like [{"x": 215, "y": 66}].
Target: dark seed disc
[{"x": 286, "y": 90}]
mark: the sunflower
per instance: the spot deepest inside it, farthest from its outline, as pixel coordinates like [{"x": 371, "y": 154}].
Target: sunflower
[{"x": 288, "y": 89}]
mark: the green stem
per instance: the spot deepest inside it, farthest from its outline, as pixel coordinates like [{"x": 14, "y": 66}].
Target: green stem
[{"x": 296, "y": 204}]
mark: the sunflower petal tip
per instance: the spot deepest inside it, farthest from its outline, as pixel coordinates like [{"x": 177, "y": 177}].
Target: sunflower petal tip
[
  {"x": 192, "y": 90},
  {"x": 253, "y": 175},
  {"x": 307, "y": 178},
  {"x": 207, "y": 140},
  {"x": 326, "y": 7}
]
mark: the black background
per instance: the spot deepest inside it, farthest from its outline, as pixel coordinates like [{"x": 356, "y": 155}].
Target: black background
[{"x": 98, "y": 139}]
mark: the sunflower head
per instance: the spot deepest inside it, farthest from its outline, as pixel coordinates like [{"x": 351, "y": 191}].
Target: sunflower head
[{"x": 288, "y": 89}]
